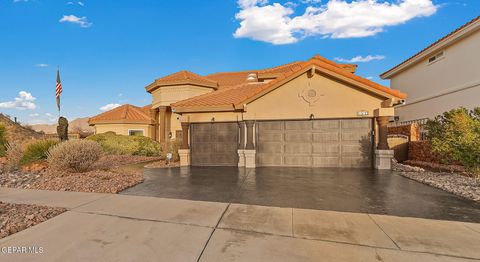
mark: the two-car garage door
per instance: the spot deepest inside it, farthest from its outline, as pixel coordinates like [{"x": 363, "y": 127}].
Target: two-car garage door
[{"x": 315, "y": 143}]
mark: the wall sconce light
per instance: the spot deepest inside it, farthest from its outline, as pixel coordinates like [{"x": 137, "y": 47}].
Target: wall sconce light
[
  {"x": 312, "y": 116},
  {"x": 213, "y": 119},
  {"x": 170, "y": 135}
]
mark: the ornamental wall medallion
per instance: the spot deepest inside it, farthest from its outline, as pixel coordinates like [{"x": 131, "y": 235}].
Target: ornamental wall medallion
[{"x": 310, "y": 94}]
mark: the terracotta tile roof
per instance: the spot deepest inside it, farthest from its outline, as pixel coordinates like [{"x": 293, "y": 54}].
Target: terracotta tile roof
[
  {"x": 235, "y": 95},
  {"x": 419, "y": 54},
  {"x": 182, "y": 77},
  {"x": 124, "y": 114}
]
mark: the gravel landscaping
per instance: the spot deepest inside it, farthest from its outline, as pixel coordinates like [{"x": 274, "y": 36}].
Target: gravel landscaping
[
  {"x": 107, "y": 176},
  {"x": 17, "y": 217},
  {"x": 454, "y": 183},
  {"x": 162, "y": 164}
]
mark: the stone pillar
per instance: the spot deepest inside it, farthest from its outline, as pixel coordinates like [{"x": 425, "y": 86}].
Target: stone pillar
[
  {"x": 185, "y": 128},
  {"x": 383, "y": 154},
  {"x": 250, "y": 145},
  {"x": 162, "y": 123},
  {"x": 250, "y": 151},
  {"x": 241, "y": 146},
  {"x": 154, "y": 116},
  {"x": 184, "y": 151},
  {"x": 382, "y": 122}
]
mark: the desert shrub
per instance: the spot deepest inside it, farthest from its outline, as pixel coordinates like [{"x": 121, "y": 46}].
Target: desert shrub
[
  {"x": 14, "y": 153},
  {"x": 171, "y": 147},
  {"x": 74, "y": 155},
  {"x": 455, "y": 137},
  {"x": 36, "y": 151},
  {"x": 3, "y": 140},
  {"x": 127, "y": 145}
]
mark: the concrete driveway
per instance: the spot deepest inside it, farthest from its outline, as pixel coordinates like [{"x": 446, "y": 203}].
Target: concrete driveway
[
  {"x": 345, "y": 190},
  {"x": 103, "y": 227}
]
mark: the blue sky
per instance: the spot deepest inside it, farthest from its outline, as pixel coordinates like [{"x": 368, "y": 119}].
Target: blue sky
[{"x": 108, "y": 51}]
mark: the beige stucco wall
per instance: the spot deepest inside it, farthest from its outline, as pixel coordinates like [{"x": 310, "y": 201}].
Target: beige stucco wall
[
  {"x": 336, "y": 100},
  {"x": 431, "y": 87},
  {"x": 122, "y": 129},
  {"x": 166, "y": 95}
]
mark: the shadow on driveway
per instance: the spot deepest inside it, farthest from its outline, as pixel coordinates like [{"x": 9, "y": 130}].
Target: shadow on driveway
[{"x": 347, "y": 190}]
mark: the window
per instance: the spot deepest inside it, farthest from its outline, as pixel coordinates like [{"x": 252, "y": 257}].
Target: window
[
  {"x": 436, "y": 57},
  {"x": 135, "y": 132}
]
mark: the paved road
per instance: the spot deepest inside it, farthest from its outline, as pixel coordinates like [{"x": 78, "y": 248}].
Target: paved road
[
  {"x": 104, "y": 227},
  {"x": 334, "y": 189}
]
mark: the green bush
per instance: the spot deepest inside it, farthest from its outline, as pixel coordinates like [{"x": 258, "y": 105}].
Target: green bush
[
  {"x": 455, "y": 137},
  {"x": 127, "y": 145},
  {"x": 37, "y": 151},
  {"x": 74, "y": 155},
  {"x": 3, "y": 140}
]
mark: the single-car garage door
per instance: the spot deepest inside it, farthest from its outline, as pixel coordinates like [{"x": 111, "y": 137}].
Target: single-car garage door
[
  {"x": 214, "y": 144},
  {"x": 315, "y": 143}
]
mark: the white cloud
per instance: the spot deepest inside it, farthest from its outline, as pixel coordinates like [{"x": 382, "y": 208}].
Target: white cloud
[
  {"x": 20, "y": 1},
  {"x": 82, "y": 21},
  {"x": 109, "y": 107},
  {"x": 24, "y": 101},
  {"x": 34, "y": 115},
  {"x": 360, "y": 59},
  {"x": 41, "y": 65},
  {"x": 76, "y": 3},
  {"x": 276, "y": 24}
]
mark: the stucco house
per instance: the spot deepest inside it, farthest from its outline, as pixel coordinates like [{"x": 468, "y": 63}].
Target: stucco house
[
  {"x": 443, "y": 76},
  {"x": 314, "y": 113}
]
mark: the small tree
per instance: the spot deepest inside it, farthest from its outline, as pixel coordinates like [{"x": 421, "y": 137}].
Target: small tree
[
  {"x": 455, "y": 136},
  {"x": 3, "y": 140}
]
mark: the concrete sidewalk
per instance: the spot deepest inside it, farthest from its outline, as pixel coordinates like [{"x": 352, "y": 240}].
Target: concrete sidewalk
[{"x": 106, "y": 227}]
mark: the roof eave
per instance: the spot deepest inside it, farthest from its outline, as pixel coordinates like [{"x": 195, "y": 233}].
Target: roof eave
[
  {"x": 204, "y": 109},
  {"x": 155, "y": 85}
]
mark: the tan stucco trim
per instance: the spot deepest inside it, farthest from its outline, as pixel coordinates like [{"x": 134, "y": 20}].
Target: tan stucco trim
[
  {"x": 154, "y": 86},
  {"x": 448, "y": 41}
]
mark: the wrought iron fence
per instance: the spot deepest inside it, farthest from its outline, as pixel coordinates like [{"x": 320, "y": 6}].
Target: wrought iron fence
[{"x": 421, "y": 123}]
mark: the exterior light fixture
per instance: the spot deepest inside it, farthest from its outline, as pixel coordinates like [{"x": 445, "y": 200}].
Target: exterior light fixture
[
  {"x": 312, "y": 116},
  {"x": 213, "y": 119}
]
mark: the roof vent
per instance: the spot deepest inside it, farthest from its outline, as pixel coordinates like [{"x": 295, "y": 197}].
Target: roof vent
[{"x": 252, "y": 77}]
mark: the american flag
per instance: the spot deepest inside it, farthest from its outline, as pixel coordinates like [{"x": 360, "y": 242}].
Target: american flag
[{"x": 58, "y": 89}]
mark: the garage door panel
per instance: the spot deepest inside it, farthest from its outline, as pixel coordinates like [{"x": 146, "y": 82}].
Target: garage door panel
[
  {"x": 271, "y": 137},
  {"x": 326, "y": 124},
  {"x": 355, "y": 136},
  {"x": 315, "y": 143},
  {"x": 298, "y": 148},
  {"x": 214, "y": 144},
  {"x": 271, "y": 148},
  {"x": 298, "y": 125},
  {"x": 326, "y": 161},
  {"x": 326, "y": 149},
  {"x": 270, "y": 126},
  {"x": 298, "y": 137},
  {"x": 326, "y": 137},
  {"x": 356, "y": 124}
]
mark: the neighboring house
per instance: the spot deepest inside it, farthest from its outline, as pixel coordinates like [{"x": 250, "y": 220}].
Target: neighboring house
[
  {"x": 314, "y": 113},
  {"x": 124, "y": 120},
  {"x": 443, "y": 76}
]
